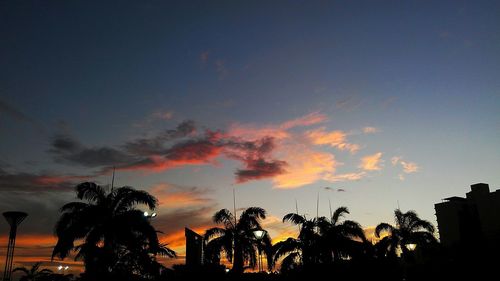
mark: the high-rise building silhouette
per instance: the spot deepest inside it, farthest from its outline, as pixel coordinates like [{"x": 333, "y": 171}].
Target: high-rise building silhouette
[
  {"x": 464, "y": 221},
  {"x": 194, "y": 248}
]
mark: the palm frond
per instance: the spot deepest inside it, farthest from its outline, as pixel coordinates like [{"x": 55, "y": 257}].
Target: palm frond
[
  {"x": 90, "y": 191},
  {"x": 383, "y": 227},
  {"x": 294, "y": 218},
  {"x": 225, "y": 217},
  {"x": 127, "y": 197},
  {"x": 339, "y": 213}
]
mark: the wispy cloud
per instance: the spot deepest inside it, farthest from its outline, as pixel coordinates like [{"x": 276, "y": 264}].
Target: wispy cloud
[
  {"x": 336, "y": 139},
  {"x": 42, "y": 182},
  {"x": 370, "y": 130},
  {"x": 345, "y": 177},
  {"x": 277, "y": 131},
  {"x": 163, "y": 115},
  {"x": 12, "y": 112},
  {"x": 176, "y": 196},
  {"x": 371, "y": 162},
  {"x": 410, "y": 167},
  {"x": 395, "y": 160}
]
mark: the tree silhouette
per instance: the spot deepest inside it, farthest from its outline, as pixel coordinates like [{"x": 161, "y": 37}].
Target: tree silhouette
[
  {"x": 116, "y": 238},
  {"x": 409, "y": 229},
  {"x": 34, "y": 273},
  {"x": 340, "y": 239},
  {"x": 300, "y": 251},
  {"x": 236, "y": 239}
]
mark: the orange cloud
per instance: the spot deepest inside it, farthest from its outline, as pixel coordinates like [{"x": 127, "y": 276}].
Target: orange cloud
[
  {"x": 189, "y": 154},
  {"x": 408, "y": 167},
  {"x": 305, "y": 166},
  {"x": 176, "y": 197},
  {"x": 345, "y": 177},
  {"x": 371, "y": 162},
  {"x": 307, "y": 120},
  {"x": 278, "y": 230},
  {"x": 336, "y": 139}
]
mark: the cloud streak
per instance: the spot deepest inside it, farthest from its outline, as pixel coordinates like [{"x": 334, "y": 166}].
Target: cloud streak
[
  {"x": 287, "y": 152},
  {"x": 337, "y": 139}
]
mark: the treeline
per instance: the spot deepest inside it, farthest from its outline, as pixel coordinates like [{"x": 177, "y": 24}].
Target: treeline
[{"x": 116, "y": 241}]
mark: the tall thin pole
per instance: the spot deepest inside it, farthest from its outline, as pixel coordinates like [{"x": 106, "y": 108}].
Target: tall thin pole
[
  {"x": 317, "y": 206},
  {"x": 297, "y": 212},
  {"x": 234, "y": 207},
  {"x": 330, "y": 205},
  {"x": 113, "y": 179}
]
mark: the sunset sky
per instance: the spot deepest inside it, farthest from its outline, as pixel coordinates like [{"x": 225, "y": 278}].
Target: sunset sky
[{"x": 371, "y": 104}]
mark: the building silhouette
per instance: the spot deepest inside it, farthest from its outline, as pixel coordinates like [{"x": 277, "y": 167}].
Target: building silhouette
[
  {"x": 194, "y": 248},
  {"x": 470, "y": 220}
]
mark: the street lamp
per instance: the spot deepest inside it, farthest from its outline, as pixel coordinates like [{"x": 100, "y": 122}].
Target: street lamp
[
  {"x": 149, "y": 216},
  {"x": 259, "y": 234},
  {"x": 411, "y": 246},
  {"x": 62, "y": 268}
]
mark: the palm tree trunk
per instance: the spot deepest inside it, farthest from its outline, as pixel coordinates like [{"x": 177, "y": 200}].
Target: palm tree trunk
[{"x": 238, "y": 261}]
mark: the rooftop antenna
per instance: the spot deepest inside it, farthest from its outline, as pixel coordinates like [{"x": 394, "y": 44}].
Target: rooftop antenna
[
  {"x": 317, "y": 206},
  {"x": 330, "y": 205},
  {"x": 234, "y": 208},
  {"x": 399, "y": 208},
  {"x": 113, "y": 180},
  {"x": 14, "y": 219},
  {"x": 297, "y": 212}
]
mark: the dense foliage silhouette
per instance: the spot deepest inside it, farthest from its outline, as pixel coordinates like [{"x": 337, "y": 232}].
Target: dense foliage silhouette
[
  {"x": 236, "y": 239},
  {"x": 116, "y": 239}
]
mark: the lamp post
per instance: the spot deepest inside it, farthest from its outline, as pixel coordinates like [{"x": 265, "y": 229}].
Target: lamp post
[
  {"x": 411, "y": 247},
  {"x": 408, "y": 257},
  {"x": 259, "y": 234}
]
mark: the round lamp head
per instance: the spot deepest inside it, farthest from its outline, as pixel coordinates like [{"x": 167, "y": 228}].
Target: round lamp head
[
  {"x": 411, "y": 246},
  {"x": 259, "y": 234}
]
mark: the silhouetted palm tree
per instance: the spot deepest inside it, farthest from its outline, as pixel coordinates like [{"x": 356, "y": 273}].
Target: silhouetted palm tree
[
  {"x": 116, "y": 237},
  {"x": 301, "y": 251},
  {"x": 340, "y": 239},
  {"x": 34, "y": 273},
  {"x": 236, "y": 239},
  {"x": 409, "y": 229}
]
